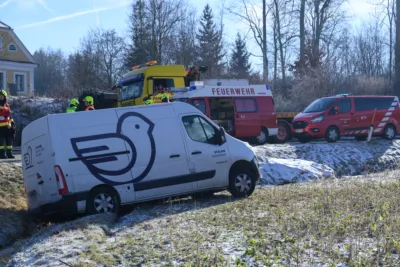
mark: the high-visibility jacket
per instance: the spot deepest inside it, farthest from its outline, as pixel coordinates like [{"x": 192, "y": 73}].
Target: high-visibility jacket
[
  {"x": 164, "y": 98},
  {"x": 8, "y": 106},
  {"x": 71, "y": 109},
  {"x": 88, "y": 108},
  {"x": 148, "y": 102},
  {"x": 5, "y": 115}
]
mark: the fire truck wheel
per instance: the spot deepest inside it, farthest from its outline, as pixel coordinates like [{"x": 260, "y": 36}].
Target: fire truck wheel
[
  {"x": 284, "y": 134},
  {"x": 332, "y": 134},
  {"x": 389, "y": 133},
  {"x": 262, "y": 138}
]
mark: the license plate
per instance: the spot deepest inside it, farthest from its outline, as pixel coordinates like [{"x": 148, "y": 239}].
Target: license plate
[{"x": 299, "y": 130}]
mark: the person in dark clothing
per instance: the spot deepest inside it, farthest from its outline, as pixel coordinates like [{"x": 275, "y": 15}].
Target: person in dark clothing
[{"x": 7, "y": 128}]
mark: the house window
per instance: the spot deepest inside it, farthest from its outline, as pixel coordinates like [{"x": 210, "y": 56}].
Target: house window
[
  {"x": 2, "y": 80},
  {"x": 20, "y": 82},
  {"x": 12, "y": 48}
]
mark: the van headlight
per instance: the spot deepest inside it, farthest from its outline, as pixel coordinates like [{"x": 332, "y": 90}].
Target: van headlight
[{"x": 317, "y": 119}]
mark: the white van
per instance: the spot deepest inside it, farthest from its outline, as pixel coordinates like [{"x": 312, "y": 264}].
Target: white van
[{"x": 96, "y": 161}]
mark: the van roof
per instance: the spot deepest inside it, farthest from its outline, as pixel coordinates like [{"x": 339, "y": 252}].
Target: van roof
[
  {"x": 180, "y": 106},
  {"x": 360, "y": 96}
]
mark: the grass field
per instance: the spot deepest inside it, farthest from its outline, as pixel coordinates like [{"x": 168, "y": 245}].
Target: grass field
[
  {"x": 14, "y": 222},
  {"x": 350, "y": 221}
]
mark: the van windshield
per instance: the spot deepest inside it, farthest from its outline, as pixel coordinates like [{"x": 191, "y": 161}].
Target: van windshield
[
  {"x": 319, "y": 105},
  {"x": 130, "y": 89}
]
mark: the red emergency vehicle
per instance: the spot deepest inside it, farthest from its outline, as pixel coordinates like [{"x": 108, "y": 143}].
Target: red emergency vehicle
[
  {"x": 344, "y": 115},
  {"x": 244, "y": 111}
]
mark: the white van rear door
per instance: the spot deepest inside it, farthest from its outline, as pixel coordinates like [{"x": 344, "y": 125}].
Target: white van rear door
[
  {"x": 39, "y": 174},
  {"x": 206, "y": 159}
]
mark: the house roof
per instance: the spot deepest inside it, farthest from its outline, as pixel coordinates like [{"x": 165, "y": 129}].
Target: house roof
[
  {"x": 3, "y": 25},
  {"x": 27, "y": 53}
]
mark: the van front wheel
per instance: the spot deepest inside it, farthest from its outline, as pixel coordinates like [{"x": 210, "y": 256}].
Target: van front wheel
[
  {"x": 241, "y": 183},
  {"x": 102, "y": 200},
  {"x": 332, "y": 134}
]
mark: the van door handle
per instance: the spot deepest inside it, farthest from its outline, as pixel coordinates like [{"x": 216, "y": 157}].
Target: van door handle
[
  {"x": 175, "y": 156},
  {"x": 196, "y": 152},
  {"x": 41, "y": 182}
]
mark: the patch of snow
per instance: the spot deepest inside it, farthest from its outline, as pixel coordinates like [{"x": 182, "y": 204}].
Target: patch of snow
[
  {"x": 282, "y": 171},
  {"x": 291, "y": 162},
  {"x": 26, "y": 109}
]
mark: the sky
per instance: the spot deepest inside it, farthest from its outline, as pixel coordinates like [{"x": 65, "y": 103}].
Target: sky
[{"x": 62, "y": 23}]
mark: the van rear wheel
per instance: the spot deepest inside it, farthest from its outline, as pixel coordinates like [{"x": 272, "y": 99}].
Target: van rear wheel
[
  {"x": 102, "y": 200},
  {"x": 389, "y": 133},
  {"x": 241, "y": 183}
]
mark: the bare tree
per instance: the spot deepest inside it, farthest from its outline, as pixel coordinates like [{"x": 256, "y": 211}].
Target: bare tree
[
  {"x": 50, "y": 74},
  {"x": 325, "y": 16},
  {"x": 369, "y": 50},
  {"x": 109, "y": 46},
  {"x": 387, "y": 15},
  {"x": 184, "y": 44},
  {"x": 282, "y": 14},
  {"x": 247, "y": 12},
  {"x": 165, "y": 16},
  {"x": 302, "y": 33},
  {"x": 396, "y": 84}
]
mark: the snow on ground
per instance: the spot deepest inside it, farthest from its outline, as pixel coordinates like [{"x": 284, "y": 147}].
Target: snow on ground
[
  {"x": 279, "y": 164},
  {"x": 26, "y": 109},
  {"x": 289, "y": 163}
]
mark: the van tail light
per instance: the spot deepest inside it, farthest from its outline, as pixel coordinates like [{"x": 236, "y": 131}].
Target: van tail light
[
  {"x": 62, "y": 184},
  {"x": 25, "y": 188}
]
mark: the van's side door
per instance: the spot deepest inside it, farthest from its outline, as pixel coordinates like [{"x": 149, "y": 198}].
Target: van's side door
[
  {"x": 343, "y": 117},
  {"x": 208, "y": 162}
]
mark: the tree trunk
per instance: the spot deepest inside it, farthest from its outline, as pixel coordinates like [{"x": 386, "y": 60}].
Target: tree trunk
[
  {"x": 264, "y": 40},
  {"x": 396, "y": 84},
  {"x": 302, "y": 33},
  {"x": 275, "y": 54},
  {"x": 281, "y": 54}
]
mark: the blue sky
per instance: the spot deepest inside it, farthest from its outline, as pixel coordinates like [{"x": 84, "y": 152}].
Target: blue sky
[{"x": 62, "y": 23}]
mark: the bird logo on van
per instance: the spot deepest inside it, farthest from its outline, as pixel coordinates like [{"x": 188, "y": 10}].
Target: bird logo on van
[{"x": 102, "y": 162}]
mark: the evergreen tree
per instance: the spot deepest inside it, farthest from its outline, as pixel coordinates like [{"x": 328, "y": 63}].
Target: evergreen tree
[
  {"x": 138, "y": 51},
  {"x": 240, "y": 66},
  {"x": 209, "y": 49}
]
